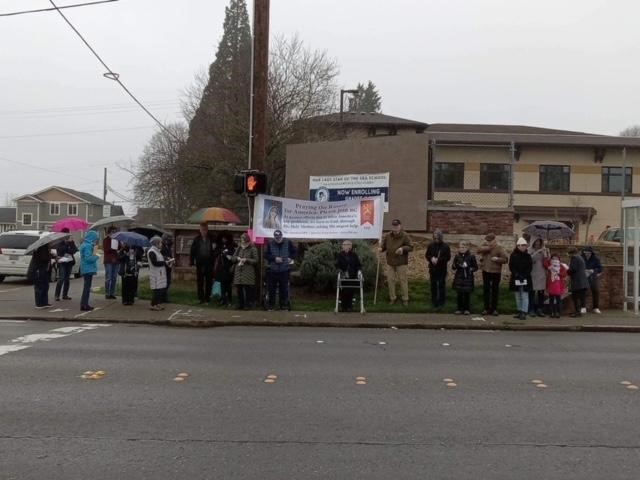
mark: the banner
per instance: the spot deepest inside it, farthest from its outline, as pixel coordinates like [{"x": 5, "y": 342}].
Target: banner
[
  {"x": 333, "y": 188},
  {"x": 357, "y": 218}
]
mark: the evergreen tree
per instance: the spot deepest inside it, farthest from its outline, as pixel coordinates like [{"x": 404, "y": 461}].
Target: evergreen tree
[
  {"x": 217, "y": 145},
  {"x": 368, "y": 99}
]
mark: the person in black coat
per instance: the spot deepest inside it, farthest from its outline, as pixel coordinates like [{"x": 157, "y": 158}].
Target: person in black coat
[
  {"x": 579, "y": 283},
  {"x": 129, "y": 258},
  {"x": 520, "y": 266},
  {"x": 202, "y": 255},
  {"x": 223, "y": 264},
  {"x": 349, "y": 264},
  {"x": 464, "y": 265},
  {"x": 65, "y": 251},
  {"x": 167, "y": 253},
  {"x": 41, "y": 263},
  {"x": 594, "y": 270},
  {"x": 438, "y": 255}
]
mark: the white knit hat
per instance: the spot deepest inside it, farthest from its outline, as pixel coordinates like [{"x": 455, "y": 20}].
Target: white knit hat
[{"x": 522, "y": 241}]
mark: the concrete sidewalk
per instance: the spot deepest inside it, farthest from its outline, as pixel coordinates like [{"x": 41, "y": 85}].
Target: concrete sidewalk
[{"x": 16, "y": 302}]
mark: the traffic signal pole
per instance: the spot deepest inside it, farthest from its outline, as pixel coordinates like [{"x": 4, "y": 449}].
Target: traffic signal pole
[{"x": 260, "y": 74}]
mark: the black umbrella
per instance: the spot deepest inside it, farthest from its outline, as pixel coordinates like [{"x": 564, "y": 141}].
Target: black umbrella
[{"x": 548, "y": 230}]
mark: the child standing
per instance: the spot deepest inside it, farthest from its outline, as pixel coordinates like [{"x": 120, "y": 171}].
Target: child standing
[
  {"x": 464, "y": 266},
  {"x": 556, "y": 274}
]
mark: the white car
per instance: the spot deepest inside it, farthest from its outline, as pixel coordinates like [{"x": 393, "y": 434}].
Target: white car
[{"x": 13, "y": 261}]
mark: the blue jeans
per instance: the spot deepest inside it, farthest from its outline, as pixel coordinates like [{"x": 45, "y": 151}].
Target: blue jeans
[
  {"x": 278, "y": 281},
  {"x": 110, "y": 278},
  {"x": 522, "y": 300},
  {"x": 64, "y": 273},
  {"x": 86, "y": 290}
]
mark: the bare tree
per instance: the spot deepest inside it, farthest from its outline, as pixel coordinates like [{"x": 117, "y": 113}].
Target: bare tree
[
  {"x": 633, "y": 131},
  {"x": 302, "y": 84},
  {"x": 155, "y": 176}
]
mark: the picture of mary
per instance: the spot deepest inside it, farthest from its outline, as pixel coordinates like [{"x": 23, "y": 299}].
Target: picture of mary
[{"x": 272, "y": 217}]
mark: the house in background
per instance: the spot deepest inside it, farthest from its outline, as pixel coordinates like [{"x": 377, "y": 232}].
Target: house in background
[
  {"x": 40, "y": 210},
  {"x": 7, "y": 219}
]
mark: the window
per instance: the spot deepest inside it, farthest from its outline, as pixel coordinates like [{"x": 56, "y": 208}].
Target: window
[
  {"x": 27, "y": 219},
  {"x": 494, "y": 176},
  {"x": 449, "y": 175},
  {"x": 612, "y": 179},
  {"x": 72, "y": 209},
  {"x": 54, "y": 209},
  {"x": 554, "y": 178}
]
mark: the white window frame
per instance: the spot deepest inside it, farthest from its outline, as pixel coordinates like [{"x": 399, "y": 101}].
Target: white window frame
[
  {"x": 30, "y": 219},
  {"x": 75, "y": 207},
  {"x": 51, "y": 209}
]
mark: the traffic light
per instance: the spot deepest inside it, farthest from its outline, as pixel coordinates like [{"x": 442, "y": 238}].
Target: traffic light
[{"x": 251, "y": 182}]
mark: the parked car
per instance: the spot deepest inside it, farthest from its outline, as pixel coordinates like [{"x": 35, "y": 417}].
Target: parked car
[
  {"x": 13, "y": 261},
  {"x": 611, "y": 236}
]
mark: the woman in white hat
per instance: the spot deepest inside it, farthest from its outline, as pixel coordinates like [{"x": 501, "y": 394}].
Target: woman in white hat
[{"x": 520, "y": 265}]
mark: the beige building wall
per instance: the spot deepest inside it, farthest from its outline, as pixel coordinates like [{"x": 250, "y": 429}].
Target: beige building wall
[
  {"x": 55, "y": 195},
  {"x": 405, "y": 158}
]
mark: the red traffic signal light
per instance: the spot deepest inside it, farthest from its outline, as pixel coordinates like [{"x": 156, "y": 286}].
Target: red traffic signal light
[{"x": 255, "y": 183}]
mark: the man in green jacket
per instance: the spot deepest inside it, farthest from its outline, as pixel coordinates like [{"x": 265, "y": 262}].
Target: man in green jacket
[{"x": 397, "y": 245}]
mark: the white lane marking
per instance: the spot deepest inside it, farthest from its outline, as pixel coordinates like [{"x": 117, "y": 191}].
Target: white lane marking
[
  {"x": 13, "y": 321},
  {"x": 27, "y": 341},
  {"x": 88, "y": 312},
  {"x": 59, "y": 310},
  {"x": 10, "y": 290},
  {"x": 177, "y": 312}
]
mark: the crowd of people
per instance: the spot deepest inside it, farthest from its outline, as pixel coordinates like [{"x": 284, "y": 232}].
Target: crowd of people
[{"x": 537, "y": 276}]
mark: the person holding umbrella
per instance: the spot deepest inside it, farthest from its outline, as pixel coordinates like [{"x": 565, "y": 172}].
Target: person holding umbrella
[
  {"x": 88, "y": 267},
  {"x": 64, "y": 256},
  {"x": 129, "y": 258}
]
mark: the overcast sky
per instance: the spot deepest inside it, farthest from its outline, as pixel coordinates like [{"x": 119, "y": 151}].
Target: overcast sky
[{"x": 568, "y": 64}]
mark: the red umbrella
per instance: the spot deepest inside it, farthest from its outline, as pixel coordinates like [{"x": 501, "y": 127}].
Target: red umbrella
[
  {"x": 214, "y": 214},
  {"x": 74, "y": 224}
]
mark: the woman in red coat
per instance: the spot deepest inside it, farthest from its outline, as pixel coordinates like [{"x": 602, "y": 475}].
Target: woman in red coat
[{"x": 556, "y": 274}]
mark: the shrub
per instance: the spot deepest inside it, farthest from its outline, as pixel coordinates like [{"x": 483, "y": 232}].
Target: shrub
[{"x": 318, "y": 268}]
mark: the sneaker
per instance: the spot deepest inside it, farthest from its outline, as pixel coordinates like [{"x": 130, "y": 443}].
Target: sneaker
[
  {"x": 86, "y": 308},
  {"x": 458, "y": 312},
  {"x": 66, "y": 298},
  {"x": 405, "y": 303},
  {"x": 522, "y": 316},
  {"x": 40, "y": 307},
  {"x": 393, "y": 301},
  {"x": 576, "y": 314},
  {"x": 467, "y": 312},
  {"x": 495, "y": 313},
  {"x": 57, "y": 299},
  {"x": 155, "y": 308},
  {"x": 583, "y": 310},
  {"x": 597, "y": 310}
]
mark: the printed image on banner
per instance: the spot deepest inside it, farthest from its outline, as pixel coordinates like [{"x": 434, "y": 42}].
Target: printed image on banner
[
  {"x": 334, "y": 188},
  {"x": 302, "y": 219}
]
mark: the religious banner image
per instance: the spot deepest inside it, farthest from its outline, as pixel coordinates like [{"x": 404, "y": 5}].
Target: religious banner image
[
  {"x": 333, "y": 188},
  {"x": 302, "y": 219}
]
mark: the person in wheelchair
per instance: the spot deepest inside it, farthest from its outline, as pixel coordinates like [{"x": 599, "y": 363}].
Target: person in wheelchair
[{"x": 349, "y": 265}]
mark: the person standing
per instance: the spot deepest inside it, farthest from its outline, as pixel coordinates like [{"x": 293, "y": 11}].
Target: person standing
[
  {"x": 245, "y": 259},
  {"x": 157, "y": 274},
  {"x": 202, "y": 256},
  {"x": 349, "y": 264},
  {"x": 539, "y": 253},
  {"x": 594, "y": 270},
  {"x": 464, "y": 265},
  {"x": 222, "y": 268},
  {"x": 110, "y": 247},
  {"x": 167, "y": 253},
  {"x": 578, "y": 282},
  {"x": 492, "y": 257},
  {"x": 438, "y": 255},
  {"x": 397, "y": 245},
  {"x": 129, "y": 258},
  {"x": 520, "y": 265},
  {"x": 64, "y": 256},
  {"x": 41, "y": 261},
  {"x": 88, "y": 267},
  {"x": 279, "y": 255},
  {"x": 556, "y": 274}
]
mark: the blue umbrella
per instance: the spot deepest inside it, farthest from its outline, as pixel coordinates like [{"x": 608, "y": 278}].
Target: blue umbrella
[{"x": 133, "y": 239}]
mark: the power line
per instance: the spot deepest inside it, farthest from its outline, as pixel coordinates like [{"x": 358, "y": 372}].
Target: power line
[
  {"x": 77, "y": 132},
  {"x": 85, "y": 108},
  {"x": 57, "y": 172},
  {"x": 50, "y": 9},
  {"x": 113, "y": 75}
]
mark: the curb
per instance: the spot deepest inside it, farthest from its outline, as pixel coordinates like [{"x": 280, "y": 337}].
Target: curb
[{"x": 339, "y": 324}]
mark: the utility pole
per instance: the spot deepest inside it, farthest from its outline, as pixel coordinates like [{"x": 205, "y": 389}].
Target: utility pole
[{"x": 104, "y": 188}]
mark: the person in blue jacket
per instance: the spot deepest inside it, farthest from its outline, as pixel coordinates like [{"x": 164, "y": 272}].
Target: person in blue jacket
[
  {"x": 88, "y": 267},
  {"x": 279, "y": 254},
  {"x": 593, "y": 270}
]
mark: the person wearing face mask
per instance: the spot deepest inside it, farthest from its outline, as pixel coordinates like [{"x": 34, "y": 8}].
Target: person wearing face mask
[
  {"x": 593, "y": 270},
  {"x": 349, "y": 264},
  {"x": 438, "y": 255},
  {"x": 245, "y": 259},
  {"x": 520, "y": 265},
  {"x": 397, "y": 245},
  {"x": 464, "y": 265}
]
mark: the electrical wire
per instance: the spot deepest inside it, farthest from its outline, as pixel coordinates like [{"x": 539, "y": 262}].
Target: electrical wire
[
  {"x": 77, "y": 132},
  {"x": 113, "y": 75},
  {"x": 57, "y": 172},
  {"x": 10, "y": 14}
]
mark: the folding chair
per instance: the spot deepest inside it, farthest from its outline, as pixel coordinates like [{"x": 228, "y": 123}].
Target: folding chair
[{"x": 353, "y": 283}]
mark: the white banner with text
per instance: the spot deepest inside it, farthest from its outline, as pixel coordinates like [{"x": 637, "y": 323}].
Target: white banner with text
[{"x": 333, "y": 188}]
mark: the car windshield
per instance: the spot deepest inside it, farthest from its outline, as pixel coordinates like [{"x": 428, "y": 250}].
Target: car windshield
[{"x": 17, "y": 241}]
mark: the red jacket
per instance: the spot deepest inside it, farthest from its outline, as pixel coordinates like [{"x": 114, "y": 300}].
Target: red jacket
[
  {"x": 110, "y": 254},
  {"x": 558, "y": 286}
]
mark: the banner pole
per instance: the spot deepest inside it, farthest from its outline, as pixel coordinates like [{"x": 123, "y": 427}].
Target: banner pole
[{"x": 375, "y": 291}]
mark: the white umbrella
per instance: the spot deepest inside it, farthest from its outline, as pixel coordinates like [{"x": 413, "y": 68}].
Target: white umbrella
[
  {"x": 49, "y": 239},
  {"x": 108, "y": 221}
]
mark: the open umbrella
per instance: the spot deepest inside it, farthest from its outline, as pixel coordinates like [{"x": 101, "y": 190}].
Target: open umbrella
[
  {"x": 148, "y": 230},
  {"x": 74, "y": 224},
  {"x": 108, "y": 221},
  {"x": 548, "y": 230},
  {"x": 48, "y": 240},
  {"x": 214, "y": 214},
  {"x": 133, "y": 239}
]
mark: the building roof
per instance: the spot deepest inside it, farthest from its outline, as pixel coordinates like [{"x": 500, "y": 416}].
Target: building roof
[
  {"x": 7, "y": 215},
  {"x": 372, "y": 119},
  {"x": 488, "y": 128},
  {"x": 86, "y": 197}
]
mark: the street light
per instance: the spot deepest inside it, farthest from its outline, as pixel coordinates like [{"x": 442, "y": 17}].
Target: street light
[{"x": 342, "y": 92}]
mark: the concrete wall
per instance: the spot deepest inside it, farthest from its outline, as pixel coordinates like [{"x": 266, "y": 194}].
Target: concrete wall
[{"x": 405, "y": 157}]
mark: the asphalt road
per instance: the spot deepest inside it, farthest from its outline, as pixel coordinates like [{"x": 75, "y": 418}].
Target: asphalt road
[{"x": 315, "y": 421}]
